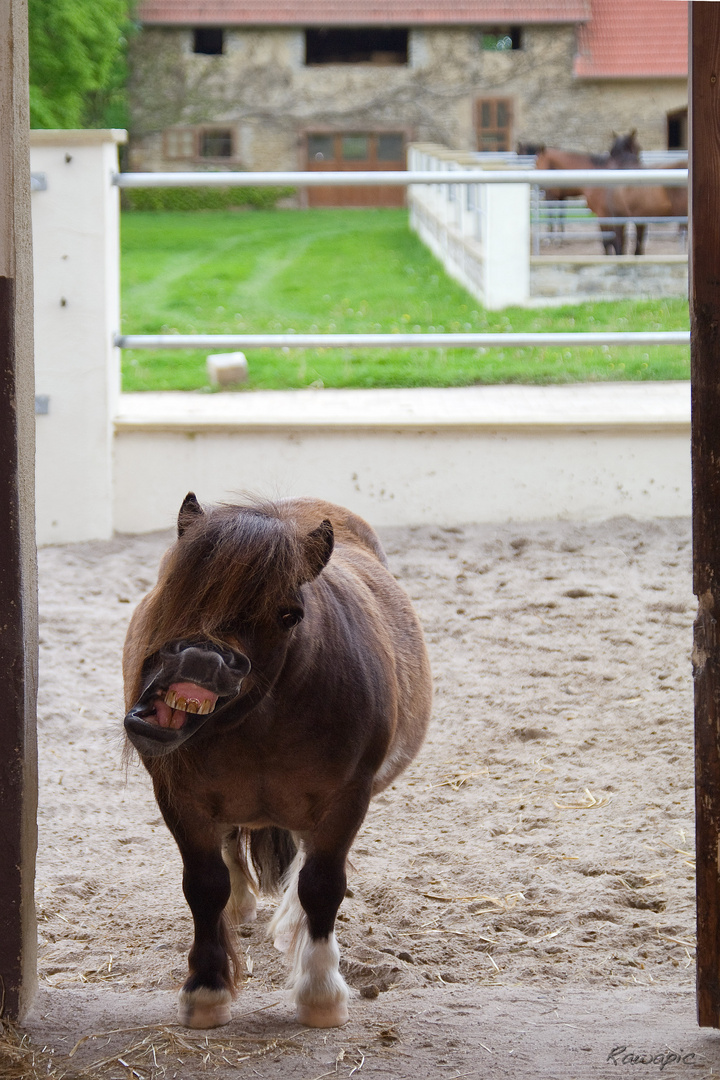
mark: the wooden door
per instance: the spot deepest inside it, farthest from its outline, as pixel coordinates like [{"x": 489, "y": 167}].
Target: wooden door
[
  {"x": 493, "y": 123},
  {"x": 356, "y": 151}
]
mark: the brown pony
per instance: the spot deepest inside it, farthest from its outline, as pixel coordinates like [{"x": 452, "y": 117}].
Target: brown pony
[
  {"x": 624, "y": 154},
  {"x": 276, "y": 679},
  {"x": 551, "y": 158},
  {"x": 637, "y": 202},
  {"x": 632, "y": 202}
]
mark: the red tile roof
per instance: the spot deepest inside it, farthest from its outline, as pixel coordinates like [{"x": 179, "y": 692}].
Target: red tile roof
[
  {"x": 359, "y": 12},
  {"x": 627, "y": 39}
]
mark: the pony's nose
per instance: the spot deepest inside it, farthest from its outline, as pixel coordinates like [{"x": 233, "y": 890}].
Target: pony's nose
[{"x": 218, "y": 670}]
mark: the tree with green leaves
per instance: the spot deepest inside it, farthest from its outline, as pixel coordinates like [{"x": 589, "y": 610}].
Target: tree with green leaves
[{"x": 78, "y": 66}]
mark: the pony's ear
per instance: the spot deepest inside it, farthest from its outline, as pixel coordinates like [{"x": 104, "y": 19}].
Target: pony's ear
[
  {"x": 318, "y": 549},
  {"x": 189, "y": 510}
]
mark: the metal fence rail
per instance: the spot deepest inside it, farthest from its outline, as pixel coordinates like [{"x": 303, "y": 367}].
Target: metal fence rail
[
  {"x": 551, "y": 178},
  {"x": 399, "y": 341},
  {"x": 450, "y": 177}
]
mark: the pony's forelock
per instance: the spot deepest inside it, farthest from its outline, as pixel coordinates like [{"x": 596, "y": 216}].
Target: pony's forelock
[{"x": 233, "y": 562}]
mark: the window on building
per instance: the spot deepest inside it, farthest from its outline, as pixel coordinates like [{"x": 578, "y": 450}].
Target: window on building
[
  {"x": 501, "y": 38},
  {"x": 216, "y": 143},
  {"x": 179, "y": 144},
  {"x": 321, "y": 147},
  {"x": 356, "y": 151},
  {"x": 209, "y": 40},
  {"x": 391, "y": 147},
  {"x": 356, "y": 45},
  {"x": 354, "y": 148},
  {"x": 493, "y": 123},
  {"x": 371, "y": 148},
  {"x": 677, "y": 129}
]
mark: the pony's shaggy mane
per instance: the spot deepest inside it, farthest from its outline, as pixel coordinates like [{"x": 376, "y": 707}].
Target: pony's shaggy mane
[{"x": 235, "y": 563}]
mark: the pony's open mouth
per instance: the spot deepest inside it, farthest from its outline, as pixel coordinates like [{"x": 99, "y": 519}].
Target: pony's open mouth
[{"x": 171, "y": 707}]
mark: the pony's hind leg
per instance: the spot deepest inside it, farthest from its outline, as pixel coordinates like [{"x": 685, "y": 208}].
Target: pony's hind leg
[{"x": 242, "y": 905}]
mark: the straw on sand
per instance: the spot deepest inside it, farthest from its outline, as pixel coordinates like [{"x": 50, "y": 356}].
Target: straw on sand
[{"x": 156, "y": 1052}]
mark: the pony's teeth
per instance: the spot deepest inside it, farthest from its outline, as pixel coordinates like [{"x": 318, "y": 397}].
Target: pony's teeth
[{"x": 188, "y": 705}]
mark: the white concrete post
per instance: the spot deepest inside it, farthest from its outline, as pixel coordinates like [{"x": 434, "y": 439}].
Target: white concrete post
[
  {"x": 506, "y": 244},
  {"x": 76, "y": 248},
  {"x": 486, "y": 249}
]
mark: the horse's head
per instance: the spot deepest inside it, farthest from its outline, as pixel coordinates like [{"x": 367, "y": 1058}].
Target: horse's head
[
  {"x": 625, "y": 149},
  {"x": 209, "y": 641}
]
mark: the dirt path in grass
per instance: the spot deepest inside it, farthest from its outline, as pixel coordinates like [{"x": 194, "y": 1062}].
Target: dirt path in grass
[{"x": 541, "y": 843}]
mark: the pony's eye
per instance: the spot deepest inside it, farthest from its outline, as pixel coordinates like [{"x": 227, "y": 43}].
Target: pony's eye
[{"x": 290, "y": 618}]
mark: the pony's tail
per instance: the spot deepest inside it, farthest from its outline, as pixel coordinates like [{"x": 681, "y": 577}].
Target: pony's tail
[
  {"x": 266, "y": 854},
  {"x": 233, "y": 970}
]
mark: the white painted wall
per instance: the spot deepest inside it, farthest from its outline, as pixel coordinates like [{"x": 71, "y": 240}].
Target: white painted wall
[
  {"x": 396, "y": 457},
  {"x": 77, "y": 312}
]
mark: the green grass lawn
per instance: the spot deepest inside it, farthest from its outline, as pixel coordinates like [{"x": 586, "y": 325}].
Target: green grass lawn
[{"x": 348, "y": 271}]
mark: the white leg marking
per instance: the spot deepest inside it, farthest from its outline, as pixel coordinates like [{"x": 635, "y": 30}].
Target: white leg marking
[
  {"x": 242, "y": 905},
  {"x": 318, "y": 989},
  {"x": 289, "y": 916},
  {"x": 204, "y": 1008}
]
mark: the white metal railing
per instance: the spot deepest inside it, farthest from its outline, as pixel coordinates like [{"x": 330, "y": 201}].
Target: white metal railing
[
  {"x": 551, "y": 177},
  {"x": 449, "y": 178},
  {"x": 345, "y": 341}
]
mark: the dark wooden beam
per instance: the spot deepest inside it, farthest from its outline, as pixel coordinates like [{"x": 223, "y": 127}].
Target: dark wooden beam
[
  {"x": 18, "y": 590},
  {"x": 705, "y": 374}
]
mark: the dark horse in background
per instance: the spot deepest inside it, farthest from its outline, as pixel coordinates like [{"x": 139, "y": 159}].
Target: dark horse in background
[
  {"x": 276, "y": 679},
  {"x": 617, "y": 202},
  {"x": 624, "y": 149},
  {"x": 634, "y": 202}
]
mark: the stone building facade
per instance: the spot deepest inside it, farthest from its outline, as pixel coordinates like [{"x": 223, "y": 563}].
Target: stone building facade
[{"x": 210, "y": 90}]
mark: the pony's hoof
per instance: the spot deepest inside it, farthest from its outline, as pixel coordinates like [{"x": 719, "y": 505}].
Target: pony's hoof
[
  {"x": 242, "y": 914},
  {"x": 323, "y": 1016},
  {"x": 283, "y": 941},
  {"x": 204, "y": 1008}
]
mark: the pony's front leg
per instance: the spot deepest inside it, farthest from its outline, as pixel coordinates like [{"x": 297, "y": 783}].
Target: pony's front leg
[
  {"x": 318, "y": 989},
  {"x": 210, "y": 987}
]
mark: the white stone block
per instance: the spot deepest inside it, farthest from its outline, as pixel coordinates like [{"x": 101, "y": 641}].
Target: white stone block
[{"x": 224, "y": 369}]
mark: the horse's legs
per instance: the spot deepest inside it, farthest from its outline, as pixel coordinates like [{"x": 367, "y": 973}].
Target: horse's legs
[
  {"x": 305, "y": 921},
  {"x": 640, "y": 239},
  {"x": 206, "y": 995},
  {"x": 242, "y": 905},
  {"x": 608, "y": 240},
  {"x": 319, "y": 990},
  {"x": 210, "y": 986},
  {"x": 619, "y": 239}
]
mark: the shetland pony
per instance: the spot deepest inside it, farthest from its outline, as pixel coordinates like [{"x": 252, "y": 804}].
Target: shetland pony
[{"x": 276, "y": 679}]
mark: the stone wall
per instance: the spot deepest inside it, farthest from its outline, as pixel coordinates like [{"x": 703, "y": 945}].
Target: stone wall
[
  {"x": 262, "y": 89},
  {"x": 598, "y": 277}
]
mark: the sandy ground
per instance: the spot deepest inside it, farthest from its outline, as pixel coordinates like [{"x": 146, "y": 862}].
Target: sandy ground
[{"x": 522, "y": 899}]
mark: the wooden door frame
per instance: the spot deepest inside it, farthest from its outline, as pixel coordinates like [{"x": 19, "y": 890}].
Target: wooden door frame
[
  {"x": 18, "y": 580},
  {"x": 705, "y": 380},
  {"x": 18, "y": 591}
]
